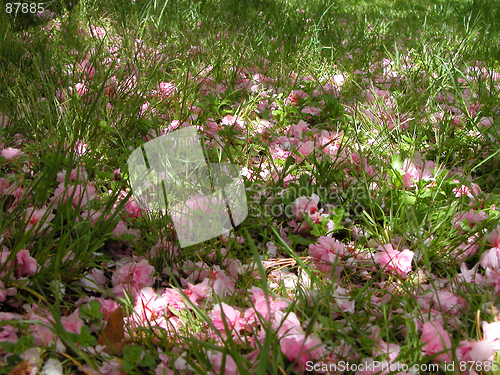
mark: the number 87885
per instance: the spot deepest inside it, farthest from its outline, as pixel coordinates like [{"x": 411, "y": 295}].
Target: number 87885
[{"x": 24, "y": 8}]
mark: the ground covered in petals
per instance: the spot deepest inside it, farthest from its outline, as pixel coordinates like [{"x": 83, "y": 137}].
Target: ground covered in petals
[{"x": 368, "y": 141}]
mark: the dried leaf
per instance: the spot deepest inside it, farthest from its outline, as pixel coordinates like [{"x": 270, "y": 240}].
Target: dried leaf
[
  {"x": 22, "y": 368},
  {"x": 112, "y": 334}
]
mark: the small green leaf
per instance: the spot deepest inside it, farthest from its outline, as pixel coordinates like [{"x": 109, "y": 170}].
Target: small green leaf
[
  {"x": 7, "y": 346},
  {"x": 298, "y": 239},
  {"x": 13, "y": 360},
  {"x": 317, "y": 231},
  {"x": 85, "y": 338},
  {"x": 129, "y": 367},
  {"x": 397, "y": 164},
  {"x": 410, "y": 199},
  {"x": 104, "y": 175},
  {"x": 94, "y": 305},
  {"x": 132, "y": 353},
  {"x": 148, "y": 361},
  {"x": 91, "y": 311}
]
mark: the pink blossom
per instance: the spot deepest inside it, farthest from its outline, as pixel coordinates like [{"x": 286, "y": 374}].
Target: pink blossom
[
  {"x": 6, "y": 266},
  {"x": 212, "y": 127},
  {"x": 93, "y": 279},
  {"x": 446, "y": 301},
  {"x": 4, "y": 185},
  {"x": 491, "y": 258},
  {"x": 98, "y": 31},
  {"x": 482, "y": 351},
  {"x": 167, "y": 89},
  {"x": 334, "y": 84},
  {"x": 311, "y": 110},
  {"x": 222, "y": 284},
  {"x": 217, "y": 359},
  {"x": 327, "y": 249},
  {"x": 263, "y": 126},
  {"x": 110, "y": 89},
  {"x": 304, "y": 204},
  {"x": 302, "y": 348},
  {"x": 8, "y": 333},
  {"x": 361, "y": 164},
  {"x": 237, "y": 121},
  {"x": 413, "y": 173},
  {"x": 132, "y": 209},
  {"x": 278, "y": 152},
  {"x": 471, "y": 217},
  {"x": 73, "y": 323},
  {"x": 176, "y": 124},
  {"x": 78, "y": 194},
  {"x": 164, "y": 246},
  {"x": 475, "y": 352},
  {"x": 428, "y": 170},
  {"x": 494, "y": 237},
  {"x": 341, "y": 296},
  {"x": 81, "y": 148},
  {"x": 435, "y": 340},
  {"x": 305, "y": 149},
  {"x": 150, "y": 309},
  {"x": 493, "y": 278},
  {"x": 383, "y": 348},
  {"x": 286, "y": 324},
  {"x": 161, "y": 369},
  {"x": 4, "y": 120},
  {"x": 80, "y": 172},
  {"x": 264, "y": 305},
  {"x": 173, "y": 298},
  {"x": 394, "y": 260},
  {"x": 329, "y": 142},
  {"x": 230, "y": 367},
  {"x": 466, "y": 249},
  {"x": 465, "y": 190},
  {"x": 293, "y": 98},
  {"x": 132, "y": 276},
  {"x": 470, "y": 276},
  {"x": 111, "y": 367},
  {"x": 4, "y": 292},
  {"x": 485, "y": 122},
  {"x": 121, "y": 228},
  {"x": 198, "y": 291},
  {"x": 376, "y": 94},
  {"x": 145, "y": 108},
  {"x": 11, "y": 153},
  {"x": 26, "y": 265},
  {"x": 491, "y": 333},
  {"x": 107, "y": 307},
  {"x": 40, "y": 330},
  {"x": 224, "y": 315},
  {"x": 34, "y": 216},
  {"x": 81, "y": 89},
  {"x": 298, "y": 129}
]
